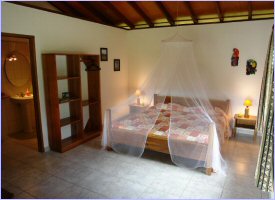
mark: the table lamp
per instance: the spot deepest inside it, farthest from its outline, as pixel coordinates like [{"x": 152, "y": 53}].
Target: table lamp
[
  {"x": 247, "y": 103},
  {"x": 138, "y": 94}
]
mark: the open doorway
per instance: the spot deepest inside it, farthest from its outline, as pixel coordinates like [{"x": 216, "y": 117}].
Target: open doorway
[{"x": 21, "y": 122}]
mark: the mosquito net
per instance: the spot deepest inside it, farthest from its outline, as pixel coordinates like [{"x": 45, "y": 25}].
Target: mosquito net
[{"x": 169, "y": 113}]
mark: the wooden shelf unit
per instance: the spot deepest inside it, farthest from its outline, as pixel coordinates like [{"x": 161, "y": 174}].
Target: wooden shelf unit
[
  {"x": 67, "y": 77},
  {"x": 77, "y": 134}
]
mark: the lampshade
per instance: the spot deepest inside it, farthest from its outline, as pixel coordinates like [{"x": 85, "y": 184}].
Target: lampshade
[
  {"x": 247, "y": 102},
  {"x": 138, "y": 93}
]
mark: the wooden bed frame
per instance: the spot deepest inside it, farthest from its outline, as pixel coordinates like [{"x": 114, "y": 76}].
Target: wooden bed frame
[{"x": 160, "y": 143}]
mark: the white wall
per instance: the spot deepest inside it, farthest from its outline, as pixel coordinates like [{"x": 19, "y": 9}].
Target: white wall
[
  {"x": 213, "y": 48},
  {"x": 55, "y": 33}
]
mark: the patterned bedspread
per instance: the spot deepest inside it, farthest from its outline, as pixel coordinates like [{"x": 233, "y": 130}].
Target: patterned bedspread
[{"x": 188, "y": 123}]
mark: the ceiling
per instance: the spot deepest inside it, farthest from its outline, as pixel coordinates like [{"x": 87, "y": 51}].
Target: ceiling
[{"x": 149, "y": 14}]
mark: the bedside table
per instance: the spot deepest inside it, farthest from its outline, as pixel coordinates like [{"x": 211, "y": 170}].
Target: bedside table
[
  {"x": 242, "y": 122},
  {"x": 134, "y": 108}
]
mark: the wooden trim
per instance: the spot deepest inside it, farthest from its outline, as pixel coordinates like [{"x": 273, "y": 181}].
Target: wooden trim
[
  {"x": 189, "y": 7},
  {"x": 249, "y": 10},
  {"x": 208, "y": 171},
  {"x": 165, "y": 12},
  {"x": 36, "y": 100},
  {"x": 219, "y": 11},
  {"x": 135, "y": 6}
]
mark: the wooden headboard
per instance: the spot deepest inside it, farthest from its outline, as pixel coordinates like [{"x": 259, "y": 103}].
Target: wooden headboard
[{"x": 222, "y": 104}]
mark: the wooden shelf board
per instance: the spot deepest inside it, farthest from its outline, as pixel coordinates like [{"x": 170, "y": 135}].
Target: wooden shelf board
[
  {"x": 90, "y": 134},
  {"x": 67, "y": 77},
  {"x": 87, "y": 102},
  {"x": 70, "y": 142},
  {"x": 68, "y": 100},
  {"x": 69, "y": 120}
]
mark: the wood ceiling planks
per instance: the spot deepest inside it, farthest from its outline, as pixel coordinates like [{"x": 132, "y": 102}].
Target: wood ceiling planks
[{"x": 142, "y": 14}]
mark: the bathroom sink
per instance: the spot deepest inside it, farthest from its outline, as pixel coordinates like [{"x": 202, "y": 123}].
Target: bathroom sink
[
  {"x": 25, "y": 105},
  {"x": 22, "y": 100}
]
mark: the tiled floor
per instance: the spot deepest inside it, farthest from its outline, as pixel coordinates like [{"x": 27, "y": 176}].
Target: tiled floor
[{"x": 89, "y": 172}]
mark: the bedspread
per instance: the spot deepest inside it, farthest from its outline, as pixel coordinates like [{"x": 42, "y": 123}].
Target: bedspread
[{"x": 185, "y": 123}]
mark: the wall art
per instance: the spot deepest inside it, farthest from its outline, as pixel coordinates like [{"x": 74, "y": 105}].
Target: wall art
[
  {"x": 251, "y": 66},
  {"x": 235, "y": 57}
]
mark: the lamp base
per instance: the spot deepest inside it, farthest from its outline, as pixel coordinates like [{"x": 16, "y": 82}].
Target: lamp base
[
  {"x": 138, "y": 101},
  {"x": 246, "y": 112}
]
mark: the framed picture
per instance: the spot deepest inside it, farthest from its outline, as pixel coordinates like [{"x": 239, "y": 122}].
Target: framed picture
[
  {"x": 116, "y": 64},
  {"x": 103, "y": 54}
]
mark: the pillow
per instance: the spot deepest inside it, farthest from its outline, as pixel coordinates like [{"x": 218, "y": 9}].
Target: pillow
[
  {"x": 196, "y": 110},
  {"x": 175, "y": 106}
]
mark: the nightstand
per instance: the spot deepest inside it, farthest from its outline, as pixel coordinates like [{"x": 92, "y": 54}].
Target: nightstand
[
  {"x": 134, "y": 108},
  {"x": 241, "y": 121}
]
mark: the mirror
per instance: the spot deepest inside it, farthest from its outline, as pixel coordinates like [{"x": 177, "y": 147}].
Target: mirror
[{"x": 17, "y": 69}]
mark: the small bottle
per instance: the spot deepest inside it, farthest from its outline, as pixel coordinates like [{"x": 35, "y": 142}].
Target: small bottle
[{"x": 28, "y": 92}]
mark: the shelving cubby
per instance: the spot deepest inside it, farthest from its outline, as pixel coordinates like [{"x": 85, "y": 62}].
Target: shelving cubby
[{"x": 63, "y": 73}]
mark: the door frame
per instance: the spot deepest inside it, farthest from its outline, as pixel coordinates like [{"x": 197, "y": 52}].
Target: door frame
[{"x": 36, "y": 100}]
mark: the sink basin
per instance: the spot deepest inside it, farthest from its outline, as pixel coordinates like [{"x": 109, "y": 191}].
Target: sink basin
[
  {"x": 26, "y": 104},
  {"x": 19, "y": 99}
]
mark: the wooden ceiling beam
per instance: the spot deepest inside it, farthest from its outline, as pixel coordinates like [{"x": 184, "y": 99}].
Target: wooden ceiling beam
[
  {"x": 189, "y": 7},
  {"x": 82, "y": 11},
  {"x": 249, "y": 10},
  {"x": 63, "y": 8},
  {"x": 135, "y": 6},
  {"x": 165, "y": 13},
  {"x": 119, "y": 14},
  {"x": 98, "y": 14},
  {"x": 219, "y": 11}
]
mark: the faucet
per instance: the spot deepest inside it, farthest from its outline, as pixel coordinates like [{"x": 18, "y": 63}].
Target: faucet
[{"x": 21, "y": 94}]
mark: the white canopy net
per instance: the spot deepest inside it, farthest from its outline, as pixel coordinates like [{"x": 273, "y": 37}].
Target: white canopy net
[{"x": 171, "y": 108}]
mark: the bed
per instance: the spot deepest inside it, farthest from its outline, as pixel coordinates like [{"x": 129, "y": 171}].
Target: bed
[{"x": 181, "y": 127}]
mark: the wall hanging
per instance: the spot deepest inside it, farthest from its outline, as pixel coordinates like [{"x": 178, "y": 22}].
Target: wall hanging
[
  {"x": 103, "y": 54},
  {"x": 251, "y": 66},
  {"x": 116, "y": 64},
  {"x": 235, "y": 57}
]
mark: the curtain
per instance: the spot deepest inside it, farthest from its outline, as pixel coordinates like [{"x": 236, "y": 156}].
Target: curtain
[{"x": 264, "y": 174}]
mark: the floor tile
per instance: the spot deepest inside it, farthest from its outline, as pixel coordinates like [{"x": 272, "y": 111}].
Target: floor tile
[
  {"x": 87, "y": 171},
  {"x": 97, "y": 181},
  {"x": 11, "y": 188},
  {"x": 240, "y": 193},
  {"x": 23, "y": 195},
  {"x": 123, "y": 189},
  {"x": 76, "y": 192},
  {"x": 29, "y": 179},
  {"x": 266, "y": 195},
  {"x": 152, "y": 193},
  {"x": 74, "y": 174},
  {"x": 49, "y": 189},
  {"x": 240, "y": 187},
  {"x": 202, "y": 190},
  {"x": 241, "y": 168}
]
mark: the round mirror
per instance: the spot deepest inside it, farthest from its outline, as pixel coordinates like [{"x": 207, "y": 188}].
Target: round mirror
[{"x": 17, "y": 69}]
